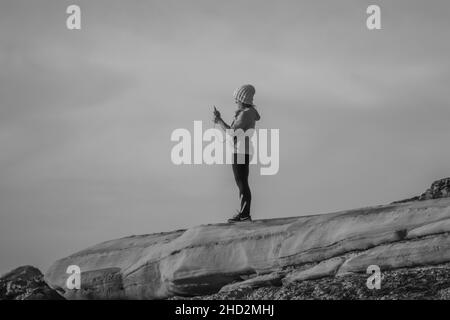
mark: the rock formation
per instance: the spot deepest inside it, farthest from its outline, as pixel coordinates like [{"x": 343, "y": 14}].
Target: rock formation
[
  {"x": 421, "y": 282},
  {"x": 439, "y": 189},
  {"x": 276, "y": 253},
  {"x": 26, "y": 283}
]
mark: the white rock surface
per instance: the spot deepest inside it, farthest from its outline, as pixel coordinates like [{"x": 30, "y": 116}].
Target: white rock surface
[
  {"x": 427, "y": 251},
  {"x": 441, "y": 226},
  {"x": 204, "y": 259},
  {"x": 323, "y": 269}
]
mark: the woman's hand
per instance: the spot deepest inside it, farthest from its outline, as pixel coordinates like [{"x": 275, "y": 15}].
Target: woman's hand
[
  {"x": 218, "y": 119},
  {"x": 216, "y": 115}
]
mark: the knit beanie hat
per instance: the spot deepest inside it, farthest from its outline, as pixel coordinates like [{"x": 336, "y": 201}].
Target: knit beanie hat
[{"x": 245, "y": 94}]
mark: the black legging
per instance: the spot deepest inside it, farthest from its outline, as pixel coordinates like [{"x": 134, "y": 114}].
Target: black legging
[{"x": 241, "y": 171}]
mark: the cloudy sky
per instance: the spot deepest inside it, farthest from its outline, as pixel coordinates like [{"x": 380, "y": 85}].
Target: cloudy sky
[{"x": 86, "y": 116}]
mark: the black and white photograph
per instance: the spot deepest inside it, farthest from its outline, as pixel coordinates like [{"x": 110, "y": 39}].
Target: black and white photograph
[{"x": 221, "y": 158}]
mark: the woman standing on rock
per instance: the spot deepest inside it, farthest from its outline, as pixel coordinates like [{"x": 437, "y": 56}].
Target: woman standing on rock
[{"x": 245, "y": 118}]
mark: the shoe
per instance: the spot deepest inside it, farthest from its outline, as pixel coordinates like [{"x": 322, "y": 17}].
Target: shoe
[{"x": 240, "y": 218}]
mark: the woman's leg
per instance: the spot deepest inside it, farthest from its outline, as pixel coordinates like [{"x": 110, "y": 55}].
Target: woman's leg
[{"x": 241, "y": 173}]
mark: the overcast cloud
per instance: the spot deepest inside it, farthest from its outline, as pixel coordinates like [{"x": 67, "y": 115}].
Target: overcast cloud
[{"x": 86, "y": 116}]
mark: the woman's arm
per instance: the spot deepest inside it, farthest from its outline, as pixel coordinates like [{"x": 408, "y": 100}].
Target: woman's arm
[
  {"x": 218, "y": 119},
  {"x": 222, "y": 123}
]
